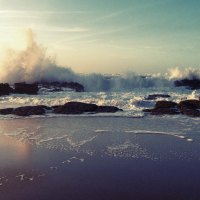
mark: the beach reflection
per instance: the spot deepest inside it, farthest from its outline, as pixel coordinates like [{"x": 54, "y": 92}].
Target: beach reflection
[{"x": 13, "y": 152}]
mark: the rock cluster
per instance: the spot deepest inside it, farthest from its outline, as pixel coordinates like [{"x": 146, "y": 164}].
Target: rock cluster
[
  {"x": 19, "y": 88},
  {"x": 24, "y": 88},
  {"x": 5, "y": 89},
  {"x": 68, "y": 108},
  {"x": 32, "y": 89},
  {"x": 192, "y": 84},
  {"x": 186, "y": 107}
]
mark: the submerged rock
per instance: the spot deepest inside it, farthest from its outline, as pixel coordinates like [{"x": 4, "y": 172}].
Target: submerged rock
[
  {"x": 68, "y": 108},
  {"x": 79, "y": 108},
  {"x": 187, "y": 107},
  {"x": 192, "y": 84},
  {"x": 74, "y": 108},
  {"x": 107, "y": 109},
  {"x": 190, "y": 107},
  {"x": 189, "y": 104},
  {"x": 6, "y": 111},
  {"x": 165, "y": 104},
  {"x": 57, "y": 86},
  {"x": 155, "y": 96},
  {"x": 5, "y": 89},
  {"x": 24, "y": 88},
  {"x": 165, "y": 111},
  {"x": 29, "y": 110}
]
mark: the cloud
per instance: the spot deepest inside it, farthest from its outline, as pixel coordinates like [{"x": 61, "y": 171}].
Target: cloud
[
  {"x": 110, "y": 15},
  {"x": 37, "y": 14},
  {"x": 62, "y": 29}
]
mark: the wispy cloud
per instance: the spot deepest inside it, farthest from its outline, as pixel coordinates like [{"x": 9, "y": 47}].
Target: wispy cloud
[
  {"x": 62, "y": 29},
  {"x": 89, "y": 36},
  {"x": 37, "y": 14},
  {"x": 110, "y": 15}
]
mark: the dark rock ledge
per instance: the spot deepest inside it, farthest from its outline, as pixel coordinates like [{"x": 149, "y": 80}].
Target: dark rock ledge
[
  {"x": 68, "y": 108},
  {"x": 32, "y": 89},
  {"x": 187, "y": 107},
  {"x": 192, "y": 84}
]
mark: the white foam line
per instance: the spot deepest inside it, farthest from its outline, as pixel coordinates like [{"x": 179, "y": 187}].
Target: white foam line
[
  {"x": 21, "y": 177},
  {"x": 100, "y": 131},
  {"x": 73, "y": 158},
  {"x": 156, "y": 132},
  {"x": 78, "y": 144},
  {"x": 50, "y": 139}
]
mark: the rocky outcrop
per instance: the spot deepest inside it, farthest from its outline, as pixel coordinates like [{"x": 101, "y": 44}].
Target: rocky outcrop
[
  {"x": 192, "y": 84},
  {"x": 29, "y": 110},
  {"x": 164, "y": 108},
  {"x": 74, "y": 108},
  {"x": 32, "y": 89},
  {"x": 79, "y": 108},
  {"x": 107, "y": 109},
  {"x": 165, "y": 104},
  {"x": 68, "y": 108},
  {"x": 5, "y": 89},
  {"x": 57, "y": 86},
  {"x": 187, "y": 107},
  {"x": 190, "y": 107},
  {"x": 155, "y": 96},
  {"x": 6, "y": 111},
  {"x": 24, "y": 88}
]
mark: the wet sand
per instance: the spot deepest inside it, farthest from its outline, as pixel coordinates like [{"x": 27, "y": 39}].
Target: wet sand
[{"x": 97, "y": 158}]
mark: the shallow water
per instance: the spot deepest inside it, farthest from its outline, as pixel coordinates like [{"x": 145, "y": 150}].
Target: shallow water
[{"x": 100, "y": 158}]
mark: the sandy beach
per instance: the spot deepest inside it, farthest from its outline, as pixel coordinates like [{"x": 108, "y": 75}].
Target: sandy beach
[{"x": 98, "y": 158}]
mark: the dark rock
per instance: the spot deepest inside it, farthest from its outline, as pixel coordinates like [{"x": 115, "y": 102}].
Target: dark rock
[
  {"x": 165, "y": 104},
  {"x": 147, "y": 110},
  {"x": 5, "y": 89},
  {"x": 6, "y": 111},
  {"x": 164, "y": 111},
  {"x": 79, "y": 108},
  {"x": 29, "y": 110},
  {"x": 190, "y": 107},
  {"x": 163, "y": 108},
  {"x": 58, "y": 85},
  {"x": 189, "y": 104},
  {"x": 107, "y": 109},
  {"x": 190, "y": 84},
  {"x": 73, "y": 85},
  {"x": 155, "y": 96},
  {"x": 74, "y": 108},
  {"x": 191, "y": 112},
  {"x": 68, "y": 108},
  {"x": 24, "y": 88}
]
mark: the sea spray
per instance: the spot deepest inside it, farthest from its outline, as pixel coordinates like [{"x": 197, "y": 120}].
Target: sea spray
[
  {"x": 188, "y": 73},
  {"x": 32, "y": 65}
]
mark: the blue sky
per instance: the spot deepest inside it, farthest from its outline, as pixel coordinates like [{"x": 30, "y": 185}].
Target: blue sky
[{"x": 108, "y": 36}]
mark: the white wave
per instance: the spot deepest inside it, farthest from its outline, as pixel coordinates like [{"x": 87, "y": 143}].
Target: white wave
[{"x": 189, "y": 73}]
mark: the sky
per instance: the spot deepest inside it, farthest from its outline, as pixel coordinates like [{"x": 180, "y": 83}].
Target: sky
[{"x": 107, "y": 36}]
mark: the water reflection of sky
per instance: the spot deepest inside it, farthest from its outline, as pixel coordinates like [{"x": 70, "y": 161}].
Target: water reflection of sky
[{"x": 13, "y": 152}]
